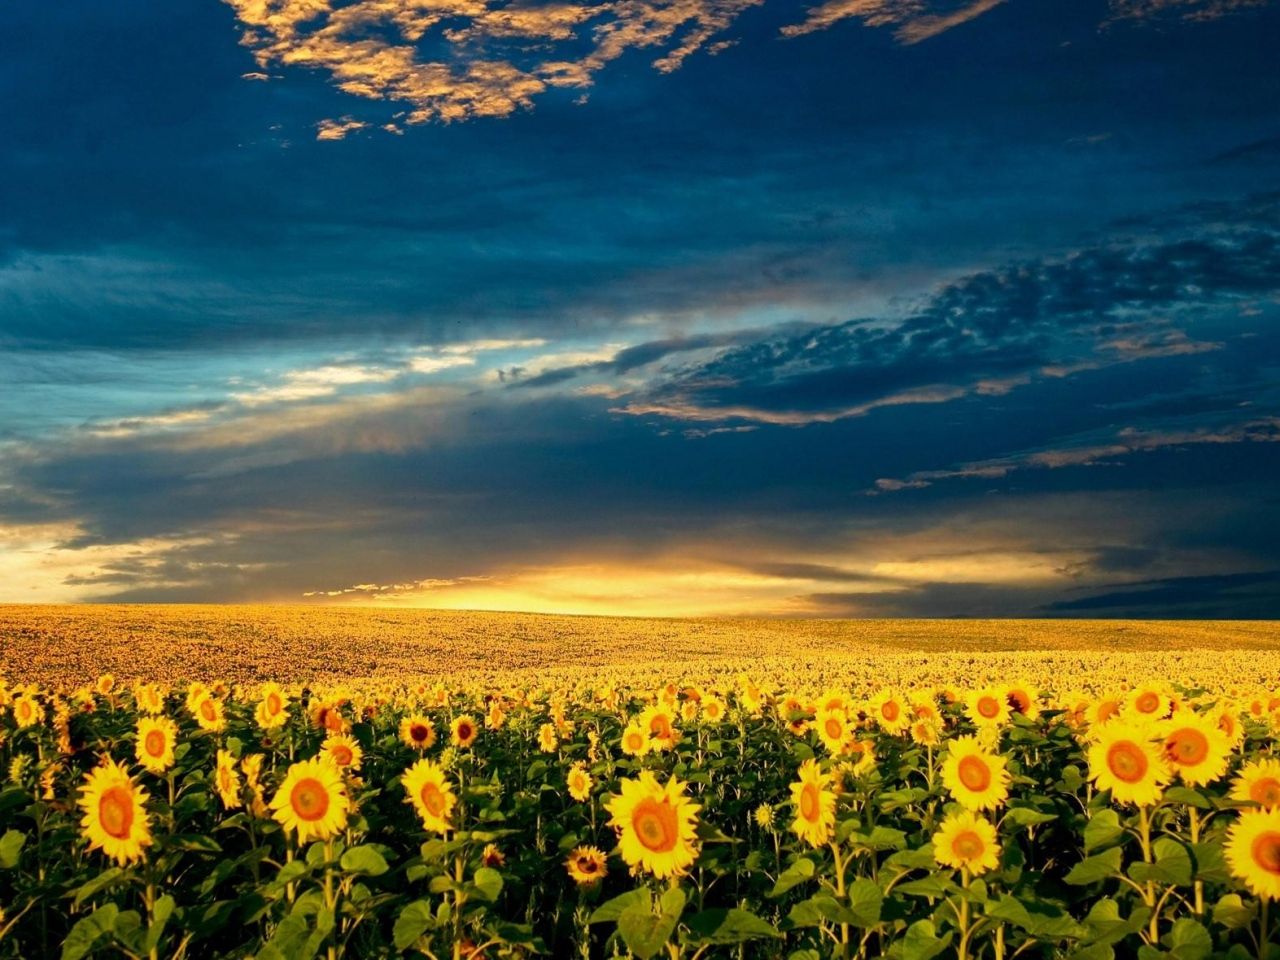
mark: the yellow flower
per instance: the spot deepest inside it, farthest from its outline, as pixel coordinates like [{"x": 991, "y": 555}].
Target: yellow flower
[
  {"x": 226, "y": 780},
  {"x": 312, "y": 800},
  {"x": 547, "y": 739},
  {"x": 927, "y": 733},
  {"x": 656, "y": 825},
  {"x": 1253, "y": 851},
  {"x": 833, "y": 730},
  {"x": 815, "y": 805},
  {"x": 764, "y": 816},
  {"x": 431, "y": 794},
  {"x": 989, "y": 707},
  {"x": 1022, "y": 698},
  {"x": 463, "y": 731},
  {"x": 105, "y": 684},
  {"x": 977, "y": 780},
  {"x": 148, "y": 697},
  {"x": 210, "y": 714},
  {"x": 890, "y": 712},
  {"x": 344, "y": 750},
  {"x": 1195, "y": 748},
  {"x": 586, "y": 865},
  {"x": 967, "y": 841},
  {"x": 273, "y": 707},
  {"x": 115, "y": 815},
  {"x": 579, "y": 783},
  {"x": 1124, "y": 760},
  {"x": 417, "y": 732},
  {"x": 1258, "y": 782},
  {"x": 635, "y": 740},
  {"x": 27, "y": 711},
  {"x": 660, "y": 723},
  {"x": 713, "y": 709},
  {"x": 156, "y": 739},
  {"x": 1147, "y": 702},
  {"x": 495, "y": 717}
]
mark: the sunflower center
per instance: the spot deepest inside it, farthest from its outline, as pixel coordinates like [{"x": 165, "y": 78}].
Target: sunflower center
[
  {"x": 1127, "y": 761},
  {"x": 433, "y": 799},
  {"x": 1266, "y": 851},
  {"x": 206, "y": 709},
  {"x": 115, "y": 812},
  {"x": 153, "y": 743},
  {"x": 989, "y": 707},
  {"x": 586, "y": 865},
  {"x": 1148, "y": 702},
  {"x": 809, "y": 805},
  {"x": 967, "y": 845},
  {"x": 1187, "y": 747},
  {"x": 1265, "y": 791},
  {"x": 974, "y": 773},
  {"x": 1107, "y": 709},
  {"x": 660, "y": 727},
  {"x": 1019, "y": 701},
  {"x": 655, "y": 825},
  {"x": 309, "y": 799},
  {"x": 464, "y": 731},
  {"x": 341, "y": 754},
  {"x": 418, "y": 732},
  {"x": 834, "y": 728},
  {"x": 273, "y": 703},
  {"x": 890, "y": 710}
]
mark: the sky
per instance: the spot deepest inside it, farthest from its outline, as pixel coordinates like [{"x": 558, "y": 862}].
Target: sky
[{"x": 660, "y": 307}]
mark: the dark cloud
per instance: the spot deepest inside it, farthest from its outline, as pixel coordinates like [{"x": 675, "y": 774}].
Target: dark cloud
[{"x": 1252, "y": 595}]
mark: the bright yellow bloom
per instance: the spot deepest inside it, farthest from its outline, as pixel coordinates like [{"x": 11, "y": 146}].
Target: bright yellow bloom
[
  {"x": 815, "y": 805},
  {"x": 586, "y": 865},
  {"x": 431, "y": 795},
  {"x": 579, "y": 781},
  {"x": 989, "y": 707},
  {"x": 833, "y": 730},
  {"x": 115, "y": 816},
  {"x": 656, "y": 825},
  {"x": 1124, "y": 760},
  {"x": 713, "y": 709},
  {"x": 1196, "y": 749},
  {"x": 27, "y": 711},
  {"x": 1147, "y": 702},
  {"x": 417, "y": 732},
  {"x": 226, "y": 780},
  {"x": 547, "y": 739},
  {"x": 976, "y": 779},
  {"x": 1253, "y": 851},
  {"x": 635, "y": 740},
  {"x": 312, "y": 800},
  {"x": 890, "y": 711},
  {"x": 210, "y": 714},
  {"x": 273, "y": 707},
  {"x": 344, "y": 750},
  {"x": 660, "y": 723},
  {"x": 463, "y": 731},
  {"x": 967, "y": 841},
  {"x": 1258, "y": 782},
  {"x": 149, "y": 698},
  {"x": 156, "y": 739},
  {"x": 1022, "y": 698}
]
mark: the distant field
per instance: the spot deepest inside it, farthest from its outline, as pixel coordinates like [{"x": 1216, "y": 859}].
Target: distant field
[{"x": 73, "y": 644}]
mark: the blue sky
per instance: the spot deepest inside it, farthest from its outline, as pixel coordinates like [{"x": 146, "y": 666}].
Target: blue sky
[{"x": 862, "y": 308}]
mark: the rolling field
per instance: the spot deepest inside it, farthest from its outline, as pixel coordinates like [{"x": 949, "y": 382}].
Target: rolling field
[{"x": 286, "y": 782}]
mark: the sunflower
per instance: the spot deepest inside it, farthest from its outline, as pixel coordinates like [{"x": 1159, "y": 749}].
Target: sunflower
[
  {"x": 1148, "y": 702},
  {"x": 226, "y": 780},
  {"x": 988, "y": 708},
  {"x": 1195, "y": 748},
  {"x": 656, "y": 825},
  {"x": 660, "y": 722},
  {"x": 273, "y": 707},
  {"x": 833, "y": 730},
  {"x": 1103, "y": 710},
  {"x": 815, "y": 805},
  {"x": 495, "y": 716},
  {"x": 115, "y": 814},
  {"x": 1124, "y": 760},
  {"x": 1228, "y": 719},
  {"x": 1022, "y": 698},
  {"x": 713, "y": 709},
  {"x": 344, "y": 750},
  {"x": 1253, "y": 851},
  {"x": 156, "y": 737},
  {"x": 431, "y": 794},
  {"x": 635, "y": 740},
  {"x": 966, "y": 841},
  {"x": 586, "y": 865},
  {"x": 417, "y": 732},
  {"x": 547, "y": 739},
  {"x": 463, "y": 731},
  {"x": 493, "y": 857},
  {"x": 579, "y": 783},
  {"x": 890, "y": 712},
  {"x": 976, "y": 779},
  {"x": 1258, "y": 782},
  {"x": 148, "y": 697},
  {"x": 252, "y": 767},
  {"x": 27, "y": 711},
  {"x": 763, "y": 816},
  {"x": 210, "y": 714},
  {"x": 312, "y": 800}
]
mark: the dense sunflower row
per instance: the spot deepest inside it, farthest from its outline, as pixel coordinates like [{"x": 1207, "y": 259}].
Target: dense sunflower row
[{"x": 688, "y": 821}]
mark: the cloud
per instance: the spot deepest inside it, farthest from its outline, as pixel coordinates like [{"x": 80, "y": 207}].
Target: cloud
[
  {"x": 338, "y": 129},
  {"x": 1183, "y": 9},
  {"x": 914, "y": 20},
  {"x": 1251, "y": 594}
]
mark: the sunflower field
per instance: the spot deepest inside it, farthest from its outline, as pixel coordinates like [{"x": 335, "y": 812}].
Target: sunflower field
[{"x": 732, "y": 819}]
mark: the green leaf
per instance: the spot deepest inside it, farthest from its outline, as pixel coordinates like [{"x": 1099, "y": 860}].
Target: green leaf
[
  {"x": 1172, "y": 864},
  {"x": 920, "y": 858},
  {"x": 488, "y": 882},
  {"x": 89, "y": 932},
  {"x": 1095, "y": 951},
  {"x": 1233, "y": 913},
  {"x": 1188, "y": 940},
  {"x": 797, "y": 873},
  {"x": 161, "y": 911},
  {"x": 1192, "y": 798},
  {"x": 921, "y": 942},
  {"x": 643, "y": 931},
  {"x": 881, "y": 838},
  {"x": 1027, "y": 816},
  {"x": 1098, "y": 867},
  {"x": 1044, "y": 921},
  {"x": 1210, "y": 864},
  {"x": 1102, "y": 830},
  {"x": 672, "y": 902},
  {"x": 611, "y": 910},
  {"x": 103, "y": 880},
  {"x": 730, "y": 926},
  {"x": 11, "y": 848},
  {"x": 934, "y": 885},
  {"x": 1106, "y": 925},
  {"x": 865, "y": 902},
  {"x": 364, "y": 859},
  {"x": 414, "y": 920}
]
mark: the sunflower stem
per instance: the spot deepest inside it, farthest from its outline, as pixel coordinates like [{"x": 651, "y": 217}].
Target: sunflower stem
[
  {"x": 1194, "y": 816},
  {"x": 963, "y": 917},
  {"x": 1144, "y": 826}
]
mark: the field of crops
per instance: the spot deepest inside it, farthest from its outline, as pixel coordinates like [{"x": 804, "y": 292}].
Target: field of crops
[{"x": 817, "y": 802}]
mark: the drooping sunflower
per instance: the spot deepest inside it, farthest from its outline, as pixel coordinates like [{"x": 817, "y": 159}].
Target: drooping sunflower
[
  {"x": 463, "y": 731},
  {"x": 635, "y": 740},
  {"x": 815, "y": 805},
  {"x": 967, "y": 841},
  {"x": 976, "y": 779},
  {"x": 417, "y": 732},
  {"x": 833, "y": 730},
  {"x": 890, "y": 712},
  {"x": 1253, "y": 851},
  {"x": 579, "y": 782},
  {"x": 1124, "y": 759},
  {"x": 431, "y": 794},
  {"x": 1258, "y": 782},
  {"x": 1196, "y": 749},
  {"x": 344, "y": 750},
  {"x": 156, "y": 739},
  {"x": 226, "y": 780},
  {"x": 312, "y": 800},
  {"x": 210, "y": 714},
  {"x": 988, "y": 707},
  {"x": 115, "y": 815},
  {"x": 273, "y": 707},
  {"x": 586, "y": 866},
  {"x": 656, "y": 825}
]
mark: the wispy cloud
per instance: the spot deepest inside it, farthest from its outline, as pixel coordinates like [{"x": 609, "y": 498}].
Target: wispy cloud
[{"x": 912, "y": 20}]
